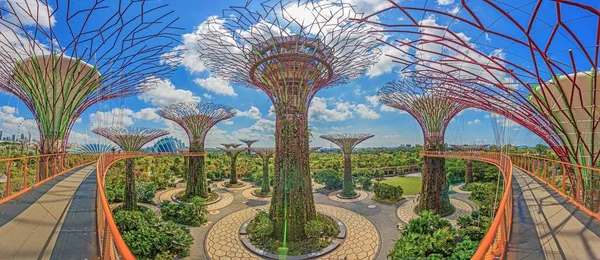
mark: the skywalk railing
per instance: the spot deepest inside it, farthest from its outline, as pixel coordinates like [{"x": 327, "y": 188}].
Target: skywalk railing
[
  {"x": 495, "y": 242},
  {"x": 21, "y": 174},
  {"x": 110, "y": 242},
  {"x": 578, "y": 184}
]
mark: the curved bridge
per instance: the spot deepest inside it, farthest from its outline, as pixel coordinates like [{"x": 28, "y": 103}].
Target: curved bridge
[{"x": 543, "y": 214}]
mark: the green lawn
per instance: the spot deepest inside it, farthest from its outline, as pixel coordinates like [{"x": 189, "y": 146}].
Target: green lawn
[{"x": 410, "y": 185}]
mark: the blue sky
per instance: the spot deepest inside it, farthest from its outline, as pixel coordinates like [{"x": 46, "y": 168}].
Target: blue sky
[{"x": 345, "y": 108}]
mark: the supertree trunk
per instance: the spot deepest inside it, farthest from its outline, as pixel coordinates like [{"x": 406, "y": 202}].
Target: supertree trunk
[
  {"x": 50, "y": 165},
  {"x": 292, "y": 188},
  {"x": 130, "y": 192},
  {"x": 469, "y": 172},
  {"x": 265, "y": 187},
  {"x": 233, "y": 175},
  {"x": 348, "y": 184},
  {"x": 434, "y": 189},
  {"x": 197, "y": 184}
]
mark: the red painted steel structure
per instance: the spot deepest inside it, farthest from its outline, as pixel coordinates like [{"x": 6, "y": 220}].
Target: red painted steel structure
[
  {"x": 541, "y": 80},
  {"x": 60, "y": 59}
]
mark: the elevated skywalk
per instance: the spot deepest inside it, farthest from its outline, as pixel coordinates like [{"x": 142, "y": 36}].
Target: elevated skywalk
[{"x": 54, "y": 220}]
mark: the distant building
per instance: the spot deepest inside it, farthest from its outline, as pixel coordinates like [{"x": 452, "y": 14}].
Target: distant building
[
  {"x": 22, "y": 136},
  {"x": 14, "y": 138}
]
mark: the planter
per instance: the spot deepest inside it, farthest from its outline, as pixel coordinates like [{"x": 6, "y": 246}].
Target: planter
[
  {"x": 176, "y": 200},
  {"x": 256, "y": 193}
]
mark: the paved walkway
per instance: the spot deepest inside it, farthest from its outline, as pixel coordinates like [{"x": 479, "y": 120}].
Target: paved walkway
[
  {"x": 546, "y": 226},
  {"x": 48, "y": 223}
]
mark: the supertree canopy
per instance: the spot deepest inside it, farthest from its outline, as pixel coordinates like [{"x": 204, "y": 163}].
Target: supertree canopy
[
  {"x": 469, "y": 163},
  {"x": 130, "y": 139},
  {"x": 265, "y": 154},
  {"x": 249, "y": 143},
  {"x": 433, "y": 113},
  {"x": 231, "y": 145},
  {"x": 93, "y": 149},
  {"x": 167, "y": 144},
  {"x": 347, "y": 142},
  {"x": 233, "y": 152},
  {"x": 538, "y": 70},
  {"x": 290, "y": 50},
  {"x": 196, "y": 118},
  {"x": 60, "y": 59}
]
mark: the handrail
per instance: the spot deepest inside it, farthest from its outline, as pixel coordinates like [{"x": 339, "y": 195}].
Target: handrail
[
  {"x": 584, "y": 193},
  {"x": 495, "y": 242},
  {"x": 29, "y": 166},
  {"x": 110, "y": 242}
]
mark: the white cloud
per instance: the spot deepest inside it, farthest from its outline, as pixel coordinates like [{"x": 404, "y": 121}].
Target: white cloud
[
  {"x": 207, "y": 96},
  {"x": 252, "y": 113},
  {"x": 271, "y": 111},
  {"x": 455, "y": 10},
  {"x": 216, "y": 85},
  {"x": 115, "y": 117},
  {"x": 164, "y": 93},
  {"x": 365, "y": 6},
  {"x": 474, "y": 122},
  {"x": 373, "y": 100},
  {"x": 365, "y": 112},
  {"x": 12, "y": 124},
  {"x": 29, "y": 12},
  {"x": 444, "y": 2},
  {"x": 319, "y": 111},
  {"x": 386, "y": 64},
  {"x": 147, "y": 114},
  {"x": 358, "y": 92},
  {"x": 78, "y": 120}
]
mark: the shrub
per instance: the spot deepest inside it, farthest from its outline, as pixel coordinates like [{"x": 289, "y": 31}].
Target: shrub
[
  {"x": 193, "y": 214},
  {"x": 148, "y": 238},
  {"x": 314, "y": 229},
  {"x": 365, "y": 182},
  {"x": 330, "y": 178},
  {"x": 115, "y": 192},
  {"x": 145, "y": 192},
  {"x": 387, "y": 193},
  {"x": 161, "y": 180},
  {"x": 261, "y": 226},
  {"x": 464, "y": 250},
  {"x": 484, "y": 194}
]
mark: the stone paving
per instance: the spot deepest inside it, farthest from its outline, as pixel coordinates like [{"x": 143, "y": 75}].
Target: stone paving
[
  {"x": 247, "y": 193},
  {"x": 222, "y": 186},
  {"x": 456, "y": 188},
  {"x": 363, "y": 195},
  {"x": 406, "y": 211},
  {"x": 362, "y": 239}
]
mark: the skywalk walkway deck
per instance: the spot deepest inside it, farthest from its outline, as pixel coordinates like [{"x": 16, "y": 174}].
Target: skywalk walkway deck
[
  {"x": 55, "y": 220},
  {"x": 547, "y": 226}
]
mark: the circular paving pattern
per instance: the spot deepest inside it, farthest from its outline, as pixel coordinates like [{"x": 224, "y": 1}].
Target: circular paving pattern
[
  {"x": 226, "y": 198},
  {"x": 222, "y": 185},
  {"x": 362, "y": 239},
  {"x": 406, "y": 211},
  {"x": 247, "y": 193},
  {"x": 362, "y": 195},
  {"x": 457, "y": 189}
]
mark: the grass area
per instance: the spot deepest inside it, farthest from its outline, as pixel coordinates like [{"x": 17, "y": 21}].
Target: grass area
[{"x": 410, "y": 185}]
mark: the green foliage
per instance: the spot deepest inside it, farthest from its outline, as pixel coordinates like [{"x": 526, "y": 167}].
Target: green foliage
[
  {"x": 193, "y": 214},
  {"x": 161, "y": 180},
  {"x": 261, "y": 227},
  {"x": 320, "y": 232},
  {"x": 365, "y": 182},
  {"x": 431, "y": 237},
  {"x": 387, "y": 193},
  {"x": 330, "y": 178},
  {"x": 149, "y": 238},
  {"x": 115, "y": 193},
  {"x": 485, "y": 195},
  {"x": 145, "y": 192}
]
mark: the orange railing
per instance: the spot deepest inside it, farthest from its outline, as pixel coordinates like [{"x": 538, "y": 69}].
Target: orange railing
[
  {"x": 496, "y": 240},
  {"x": 110, "y": 243},
  {"x": 578, "y": 184},
  {"x": 24, "y": 173}
]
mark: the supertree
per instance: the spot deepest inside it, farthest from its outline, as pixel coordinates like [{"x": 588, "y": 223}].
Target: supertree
[
  {"x": 347, "y": 142},
  {"x": 167, "y": 144},
  {"x": 93, "y": 149},
  {"x": 130, "y": 139},
  {"x": 290, "y": 50},
  {"x": 231, "y": 145},
  {"x": 535, "y": 80},
  {"x": 60, "y": 59},
  {"x": 265, "y": 154},
  {"x": 249, "y": 143},
  {"x": 433, "y": 112},
  {"x": 196, "y": 118},
  {"x": 469, "y": 163},
  {"x": 233, "y": 152}
]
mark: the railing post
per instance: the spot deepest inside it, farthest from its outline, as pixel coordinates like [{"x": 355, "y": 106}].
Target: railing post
[
  {"x": 25, "y": 173},
  {"x": 545, "y": 171},
  {"x": 564, "y": 178},
  {"x": 578, "y": 186},
  {"x": 8, "y": 168}
]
